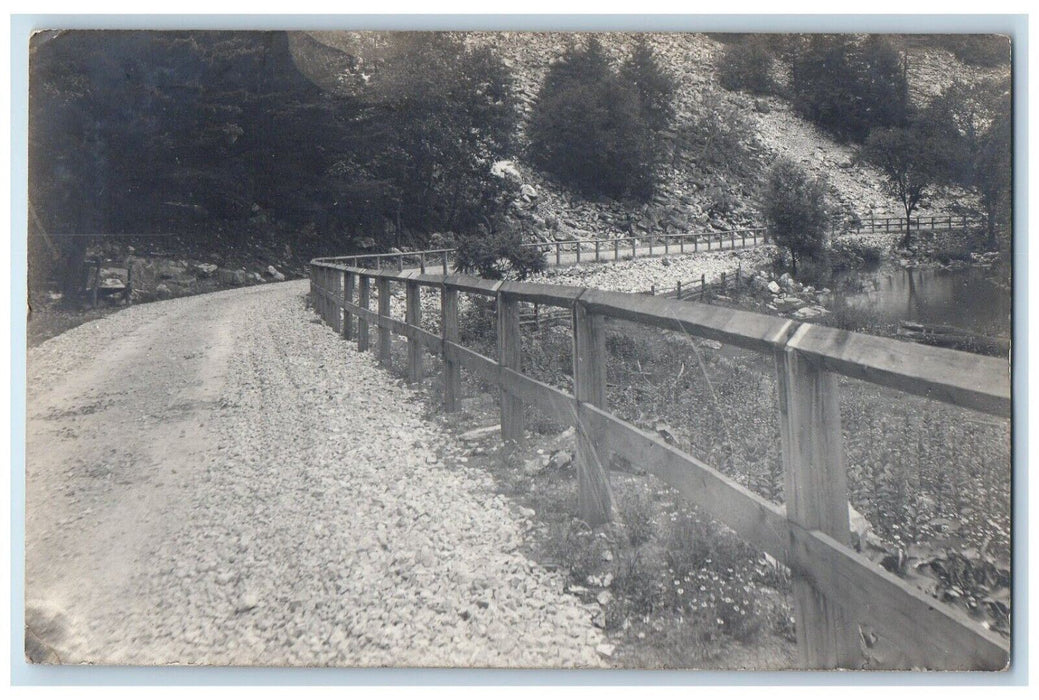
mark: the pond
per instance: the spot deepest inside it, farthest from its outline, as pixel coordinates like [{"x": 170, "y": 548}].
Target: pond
[{"x": 971, "y": 298}]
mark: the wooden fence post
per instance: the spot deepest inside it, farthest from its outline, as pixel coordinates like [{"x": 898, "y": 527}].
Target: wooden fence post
[
  {"x": 667, "y": 247},
  {"x": 338, "y": 284},
  {"x": 594, "y": 496},
  {"x": 816, "y": 493},
  {"x": 634, "y": 244},
  {"x": 616, "y": 249},
  {"x": 596, "y": 250},
  {"x": 348, "y": 298},
  {"x": 577, "y": 249},
  {"x": 413, "y": 317},
  {"x": 678, "y": 290},
  {"x": 383, "y": 286},
  {"x": 449, "y": 332},
  {"x": 510, "y": 354},
  {"x": 364, "y": 292},
  {"x": 558, "y": 255},
  {"x": 444, "y": 261}
]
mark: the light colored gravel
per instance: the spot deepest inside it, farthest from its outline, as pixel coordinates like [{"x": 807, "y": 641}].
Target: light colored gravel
[
  {"x": 664, "y": 272},
  {"x": 222, "y": 480}
]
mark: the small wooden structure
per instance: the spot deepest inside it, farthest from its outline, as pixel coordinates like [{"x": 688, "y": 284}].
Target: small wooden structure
[{"x": 97, "y": 286}]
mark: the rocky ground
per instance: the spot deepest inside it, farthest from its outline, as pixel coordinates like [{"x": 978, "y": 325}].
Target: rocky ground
[{"x": 217, "y": 480}]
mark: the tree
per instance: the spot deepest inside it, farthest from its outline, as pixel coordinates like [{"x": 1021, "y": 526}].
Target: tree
[
  {"x": 993, "y": 170},
  {"x": 655, "y": 87},
  {"x": 437, "y": 115},
  {"x": 747, "y": 65},
  {"x": 848, "y": 85},
  {"x": 912, "y": 160},
  {"x": 795, "y": 210},
  {"x": 971, "y": 123},
  {"x": 596, "y": 128}
]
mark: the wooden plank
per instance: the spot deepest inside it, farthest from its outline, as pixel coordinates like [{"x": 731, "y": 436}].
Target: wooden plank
[
  {"x": 934, "y": 635},
  {"x": 757, "y": 521},
  {"x": 816, "y": 493},
  {"x": 449, "y": 329},
  {"x": 473, "y": 285},
  {"x": 413, "y": 314},
  {"x": 364, "y": 287},
  {"x": 382, "y": 285},
  {"x": 951, "y": 376},
  {"x": 930, "y": 634},
  {"x": 482, "y": 366},
  {"x": 557, "y": 404},
  {"x": 430, "y": 341},
  {"x": 741, "y": 328},
  {"x": 540, "y": 293},
  {"x": 594, "y": 496},
  {"x": 510, "y": 354}
]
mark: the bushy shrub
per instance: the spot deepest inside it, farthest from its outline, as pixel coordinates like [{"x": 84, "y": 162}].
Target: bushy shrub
[
  {"x": 496, "y": 255},
  {"x": 718, "y": 138},
  {"x": 852, "y": 254},
  {"x": 986, "y": 50},
  {"x": 795, "y": 210},
  {"x": 746, "y": 66},
  {"x": 848, "y": 85},
  {"x": 596, "y": 128}
]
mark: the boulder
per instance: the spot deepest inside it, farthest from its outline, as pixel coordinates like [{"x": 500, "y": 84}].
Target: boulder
[
  {"x": 528, "y": 192},
  {"x": 561, "y": 459},
  {"x": 273, "y": 272},
  {"x": 774, "y": 287}
]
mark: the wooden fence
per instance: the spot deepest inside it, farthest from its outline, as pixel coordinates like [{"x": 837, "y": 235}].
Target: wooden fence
[
  {"x": 897, "y": 224},
  {"x": 835, "y": 589},
  {"x": 576, "y": 251},
  {"x": 625, "y": 248}
]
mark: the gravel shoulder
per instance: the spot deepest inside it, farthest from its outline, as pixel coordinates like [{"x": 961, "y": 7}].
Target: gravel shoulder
[{"x": 220, "y": 479}]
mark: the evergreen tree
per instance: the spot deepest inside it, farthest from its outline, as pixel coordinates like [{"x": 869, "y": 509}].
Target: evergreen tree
[{"x": 598, "y": 129}]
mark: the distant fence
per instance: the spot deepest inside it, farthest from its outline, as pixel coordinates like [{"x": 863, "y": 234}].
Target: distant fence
[
  {"x": 835, "y": 589},
  {"x": 572, "y": 252},
  {"x": 897, "y": 224},
  {"x": 560, "y": 253}
]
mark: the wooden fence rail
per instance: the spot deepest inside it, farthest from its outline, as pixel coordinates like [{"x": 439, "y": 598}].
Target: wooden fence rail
[
  {"x": 835, "y": 588},
  {"x": 628, "y": 247}
]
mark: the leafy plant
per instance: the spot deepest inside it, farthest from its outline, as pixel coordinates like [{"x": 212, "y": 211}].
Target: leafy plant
[
  {"x": 497, "y": 255},
  {"x": 795, "y": 210},
  {"x": 848, "y": 85},
  {"x": 746, "y": 65},
  {"x": 596, "y": 128}
]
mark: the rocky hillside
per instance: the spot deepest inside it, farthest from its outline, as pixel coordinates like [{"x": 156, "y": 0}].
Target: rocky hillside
[{"x": 692, "y": 189}]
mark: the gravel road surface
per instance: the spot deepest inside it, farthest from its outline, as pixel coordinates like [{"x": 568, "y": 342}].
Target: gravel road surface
[{"x": 220, "y": 479}]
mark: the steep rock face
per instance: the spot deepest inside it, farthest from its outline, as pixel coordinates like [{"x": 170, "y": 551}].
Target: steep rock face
[{"x": 696, "y": 193}]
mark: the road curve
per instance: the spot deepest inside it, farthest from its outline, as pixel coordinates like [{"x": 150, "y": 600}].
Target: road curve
[{"x": 220, "y": 479}]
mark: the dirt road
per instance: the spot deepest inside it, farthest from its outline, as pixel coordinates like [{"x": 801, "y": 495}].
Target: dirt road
[{"x": 220, "y": 479}]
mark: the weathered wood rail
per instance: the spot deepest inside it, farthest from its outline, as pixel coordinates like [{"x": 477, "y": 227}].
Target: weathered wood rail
[
  {"x": 835, "y": 588},
  {"x": 575, "y": 251},
  {"x": 629, "y": 247}
]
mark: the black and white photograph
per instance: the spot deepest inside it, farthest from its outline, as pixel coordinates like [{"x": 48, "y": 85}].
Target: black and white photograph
[{"x": 482, "y": 349}]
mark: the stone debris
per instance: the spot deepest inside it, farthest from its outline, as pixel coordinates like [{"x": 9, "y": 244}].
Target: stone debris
[{"x": 319, "y": 520}]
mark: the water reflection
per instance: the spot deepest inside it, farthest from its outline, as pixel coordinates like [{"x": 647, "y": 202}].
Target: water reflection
[{"x": 967, "y": 298}]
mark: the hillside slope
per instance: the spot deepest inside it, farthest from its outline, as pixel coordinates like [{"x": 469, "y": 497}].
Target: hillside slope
[{"x": 697, "y": 193}]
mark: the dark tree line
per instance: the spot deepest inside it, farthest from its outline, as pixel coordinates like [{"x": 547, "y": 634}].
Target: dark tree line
[
  {"x": 597, "y": 126},
  {"x": 138, "y": 132}
]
